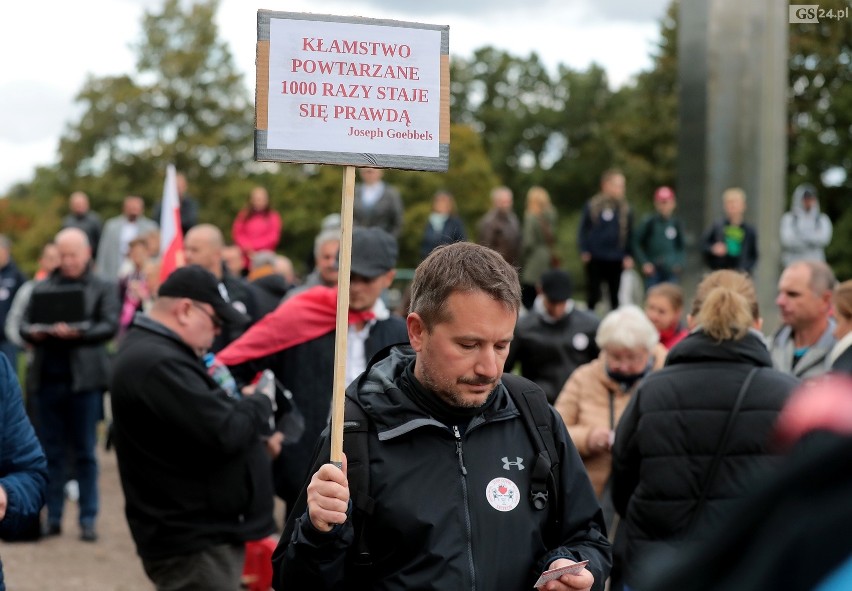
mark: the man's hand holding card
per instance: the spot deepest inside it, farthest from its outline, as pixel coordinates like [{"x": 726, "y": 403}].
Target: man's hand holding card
[{"x": 566, "y": 575}]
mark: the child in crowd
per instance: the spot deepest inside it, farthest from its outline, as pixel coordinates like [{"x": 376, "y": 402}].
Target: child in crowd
[{"x": 664, "y": 307}]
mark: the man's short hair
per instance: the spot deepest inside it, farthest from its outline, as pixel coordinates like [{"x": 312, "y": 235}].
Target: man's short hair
[
  {"x": 330, "y": 235},
  {"x": 262, "y": 258},
  {"x": 822, "y": 277},
  {"x": 461, "y": 267}
]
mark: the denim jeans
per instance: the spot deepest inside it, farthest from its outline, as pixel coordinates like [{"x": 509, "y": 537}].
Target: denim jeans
[{"x": 68, "y": 433}]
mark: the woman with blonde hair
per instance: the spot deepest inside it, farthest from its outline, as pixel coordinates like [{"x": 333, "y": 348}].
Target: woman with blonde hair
[
  {"x": 696, "y": 436},
  {"x": 840, "y": 358},
  {"x": 538, "y": 243}
]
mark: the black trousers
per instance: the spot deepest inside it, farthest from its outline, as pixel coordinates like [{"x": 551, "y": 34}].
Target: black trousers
[{"x": 600, "y": 271}]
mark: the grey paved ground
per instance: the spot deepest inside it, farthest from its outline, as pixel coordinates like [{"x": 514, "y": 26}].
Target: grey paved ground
[{"x": 68, "y": 564}]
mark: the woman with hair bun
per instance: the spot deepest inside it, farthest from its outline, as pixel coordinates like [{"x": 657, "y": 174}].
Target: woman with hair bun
[{"x": 696, "y": 437}]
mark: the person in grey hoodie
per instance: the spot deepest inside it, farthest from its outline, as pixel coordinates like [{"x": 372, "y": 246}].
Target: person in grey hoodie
[{"x": 805, "y": 231}]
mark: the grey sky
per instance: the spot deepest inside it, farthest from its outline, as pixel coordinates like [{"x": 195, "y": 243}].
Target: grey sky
[{"x": 614, "y": 10}]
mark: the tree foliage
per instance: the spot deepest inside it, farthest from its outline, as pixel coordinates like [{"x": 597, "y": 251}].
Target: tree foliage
[
  {"x": 515, "y": 122},
  {"x": 820, "y": 121}
]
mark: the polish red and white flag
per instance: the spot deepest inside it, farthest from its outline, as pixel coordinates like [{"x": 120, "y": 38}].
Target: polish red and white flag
[{"x": 171, "y": 234}]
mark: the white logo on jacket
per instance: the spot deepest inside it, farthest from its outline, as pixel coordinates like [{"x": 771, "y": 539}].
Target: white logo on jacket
[{"x": 502, "y": 494}]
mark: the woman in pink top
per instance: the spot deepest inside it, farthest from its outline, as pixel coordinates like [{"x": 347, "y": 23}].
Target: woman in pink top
[{"x": 257, "y": 226}]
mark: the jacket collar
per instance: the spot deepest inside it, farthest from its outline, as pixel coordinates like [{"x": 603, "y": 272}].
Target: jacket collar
[
  {"x": 697, "y": 346},
  {"x": 394, "y": 412},
  {"x": 148, "y": 324}
]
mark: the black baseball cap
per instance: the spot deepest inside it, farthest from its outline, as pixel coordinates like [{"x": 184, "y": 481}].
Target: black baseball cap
[
  {"x": 199, "y": 284},
  {"x": 374, "y": 252},
  {"x": 556, "y": 285}
]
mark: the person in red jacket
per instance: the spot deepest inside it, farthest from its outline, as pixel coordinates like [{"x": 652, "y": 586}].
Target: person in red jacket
[
  {"x": 257, "y": 226},
  {"x": 664, "y": 307}
]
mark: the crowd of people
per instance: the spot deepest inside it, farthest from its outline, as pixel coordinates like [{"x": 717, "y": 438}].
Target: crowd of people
[{"x": 497, "y": 428}]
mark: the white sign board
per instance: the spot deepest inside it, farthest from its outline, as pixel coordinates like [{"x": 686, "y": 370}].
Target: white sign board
[{"x": 352, "y": 91}]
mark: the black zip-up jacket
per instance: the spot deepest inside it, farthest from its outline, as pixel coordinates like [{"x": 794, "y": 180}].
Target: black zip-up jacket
[
  {"x": 87, "y": 354},
  {"x": 436, "y": 523},
  {"x": 550, "y": 350},
  {"x": 193, "y": 467}
]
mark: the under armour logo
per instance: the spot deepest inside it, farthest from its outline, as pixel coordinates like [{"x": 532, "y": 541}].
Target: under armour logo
[{"x": 507, "y": 464}]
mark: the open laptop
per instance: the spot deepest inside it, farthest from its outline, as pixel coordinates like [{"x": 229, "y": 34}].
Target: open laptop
[{"x": 60, "y": 304}]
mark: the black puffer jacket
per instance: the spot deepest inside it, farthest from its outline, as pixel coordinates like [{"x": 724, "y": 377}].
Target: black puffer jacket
[
  {"x": 436, "y": 525},
  {"x": 670, "y": 432}
]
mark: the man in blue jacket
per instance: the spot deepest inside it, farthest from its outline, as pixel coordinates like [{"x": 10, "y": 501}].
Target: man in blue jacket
[
  {"x": 23, "y": 467},
  {"x": 605, "y": 238},
  {"x": 451, "y": 461}
]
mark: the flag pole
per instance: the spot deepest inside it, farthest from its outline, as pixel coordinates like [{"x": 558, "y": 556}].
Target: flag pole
[{"x": 342, "y": 326}]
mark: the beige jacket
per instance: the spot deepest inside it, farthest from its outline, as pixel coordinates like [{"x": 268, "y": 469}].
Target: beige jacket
[{"x": 584, "y": 404}]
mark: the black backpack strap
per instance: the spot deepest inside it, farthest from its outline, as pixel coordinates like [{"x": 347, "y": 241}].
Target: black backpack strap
[
  {"x": 536, "y": 414},
  {"x": 356, "y": 427}
]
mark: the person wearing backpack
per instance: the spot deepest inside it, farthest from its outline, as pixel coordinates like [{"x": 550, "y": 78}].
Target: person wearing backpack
[
  {"x": 472, "y": 479},
  {"x": 658, "y": 246}
]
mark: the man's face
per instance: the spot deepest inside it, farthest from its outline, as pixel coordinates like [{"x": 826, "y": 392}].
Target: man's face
[
  {"x": 79, "y": 204},
  {"x": 74, "y": 256},
  {"x": 133, "y": 207},
  {"x": 554, "y": 308},
  {"x": 665, "y": 208},
  {"x": 199, "y": 250},
  {"x": 462, "y": 359},
  {"x": 370, "y": 176},
  {"x": 503, "y": 201},
  {"x": 201, "y": 325},
  {"x": 326, "y": 262},
  {"x": 4, "y": 256},
  {"x": 614, "y": 186},
  {"x": 798, "y": 304},
  {"x": 233, "y": 257},
  {"x": 364, "y": 291},
  {"x": 734, "y": 207}
]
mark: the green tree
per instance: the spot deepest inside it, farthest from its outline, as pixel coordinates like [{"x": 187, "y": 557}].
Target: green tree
[
  {"x": 644, "y": 123},
  {"x": 820, "y": 121},
  {"x": 185, "y": 104}
]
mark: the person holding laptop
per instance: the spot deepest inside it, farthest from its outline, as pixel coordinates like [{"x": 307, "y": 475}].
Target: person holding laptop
[{"x": 69, "y": 373}]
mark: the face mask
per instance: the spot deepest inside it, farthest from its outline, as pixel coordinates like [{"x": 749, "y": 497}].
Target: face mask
[{"x": 627, "y": 380}]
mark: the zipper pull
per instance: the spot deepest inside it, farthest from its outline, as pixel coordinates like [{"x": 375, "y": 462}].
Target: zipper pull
[{"x": 459, "y": 450}]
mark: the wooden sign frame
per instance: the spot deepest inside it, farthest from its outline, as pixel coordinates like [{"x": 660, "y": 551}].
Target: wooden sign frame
[{"x": 413, "y": 145}]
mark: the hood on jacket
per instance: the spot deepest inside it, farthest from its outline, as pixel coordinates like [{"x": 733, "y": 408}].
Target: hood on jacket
[
  {"x": 798, "y": 196},
  {"x": 698, "y": 347}
]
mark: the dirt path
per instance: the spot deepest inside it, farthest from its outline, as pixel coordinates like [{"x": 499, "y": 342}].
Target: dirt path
[{"x": 66, "y": 563}]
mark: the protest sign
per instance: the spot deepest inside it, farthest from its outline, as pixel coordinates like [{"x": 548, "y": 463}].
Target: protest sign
[{"x": 352, "y": 91}]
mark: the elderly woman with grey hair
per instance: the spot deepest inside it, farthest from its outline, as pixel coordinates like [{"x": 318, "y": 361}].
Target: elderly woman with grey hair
[{"x": 593, "y": 398}]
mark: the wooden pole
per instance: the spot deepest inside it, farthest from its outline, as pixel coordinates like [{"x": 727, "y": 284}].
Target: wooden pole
[{"x": 342, "y": 326}]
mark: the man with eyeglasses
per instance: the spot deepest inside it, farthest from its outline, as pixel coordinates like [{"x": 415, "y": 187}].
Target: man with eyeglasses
[
  {"x": 191, "y": 457},
  {"x": 297, "y": 339}
]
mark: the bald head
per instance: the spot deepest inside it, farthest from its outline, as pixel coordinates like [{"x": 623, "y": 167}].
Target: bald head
[
  {"x": 203, "y": 246},
  {"x": 74, "y": 252}
]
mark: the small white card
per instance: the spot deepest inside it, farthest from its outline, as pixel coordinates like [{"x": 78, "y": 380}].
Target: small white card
[{"x": 555, "y": 573}]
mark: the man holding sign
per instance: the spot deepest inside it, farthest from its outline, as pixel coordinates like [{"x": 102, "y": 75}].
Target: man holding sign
[{"x": 455, "y": 456}]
